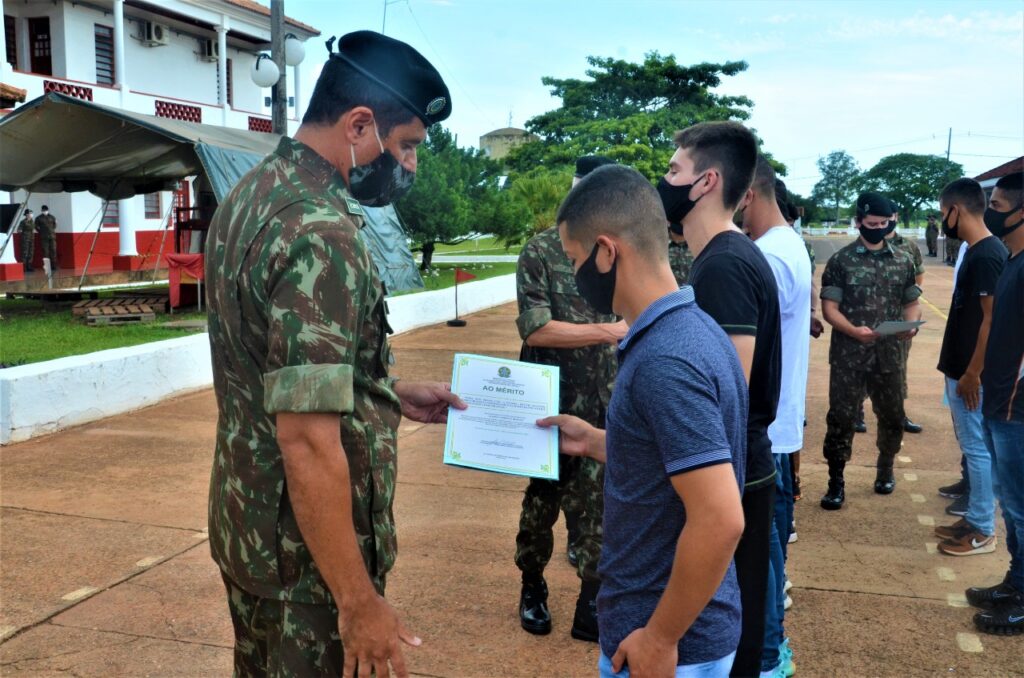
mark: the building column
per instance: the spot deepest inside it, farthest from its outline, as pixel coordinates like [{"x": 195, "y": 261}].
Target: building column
[
  {"x": 222, "y": 68},
  {"x": 4, "y": 66},
  {"x": 119, "y": 60},
  {"x": 298, "y": 91}
]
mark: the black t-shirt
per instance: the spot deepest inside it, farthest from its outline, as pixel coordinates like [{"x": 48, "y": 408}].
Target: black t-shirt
[
  {"x": 977, "y": 278},
  {"x": 1001, "y": 381},
  {"x": 734, "y": 284}
]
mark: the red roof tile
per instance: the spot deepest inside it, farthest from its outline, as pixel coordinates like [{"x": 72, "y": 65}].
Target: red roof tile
[
  {"x": 1004, "y": 169},
  {"x": 254, "y": 6}
]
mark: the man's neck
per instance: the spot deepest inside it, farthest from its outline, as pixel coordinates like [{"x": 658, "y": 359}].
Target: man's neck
[
  {"x": 319, "y": 139},
  {"x": 700, "y": 230},
  {"x": 1015, "y": 241},
  {"x": 645, "y": 287},
  {"x": 972, "y": 230},
  {"x": 764, "y": 218}
]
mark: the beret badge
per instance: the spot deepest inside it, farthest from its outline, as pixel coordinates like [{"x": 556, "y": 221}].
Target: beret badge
[{"x": 436, "y": 106}]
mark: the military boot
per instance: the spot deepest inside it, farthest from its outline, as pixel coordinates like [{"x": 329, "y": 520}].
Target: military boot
[
  {"x": 533, "y": 606},
  {"x": 836, "y": 494},
  {"x": 885, "y": 483},
  {"x": 584, "y": 623}
]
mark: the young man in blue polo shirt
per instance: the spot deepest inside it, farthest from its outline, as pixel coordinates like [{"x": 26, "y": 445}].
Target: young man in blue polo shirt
[{"x": 674, "y": 445}]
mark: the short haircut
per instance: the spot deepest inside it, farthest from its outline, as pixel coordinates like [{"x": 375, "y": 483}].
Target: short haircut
[
  {"x": 44, "y": 207},
  {"x": 730, "y": 148},
  {"x": 765, "y": 181},
  {"x": 1013, "y": 186},
  {"x": 616, "y": 200},
  {"x": 340, "y": 88},
  {"x": 965, "y": 193}
]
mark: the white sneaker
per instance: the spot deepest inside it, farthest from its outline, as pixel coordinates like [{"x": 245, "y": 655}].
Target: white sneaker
[
  {"x": 792, "y": 537},
  {"x": 787, "y": 586},
  {"x": 788, "y": 603}
]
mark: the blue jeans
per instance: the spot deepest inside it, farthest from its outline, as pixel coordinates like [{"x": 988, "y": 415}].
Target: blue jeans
[
  {"x": 774, "y": 609},
  {"x": 981, "y": 505},
  {"x": 718, "y": 668},
  {"x": 783, "y": 501},
  {"x": 1006, "y": 440}
]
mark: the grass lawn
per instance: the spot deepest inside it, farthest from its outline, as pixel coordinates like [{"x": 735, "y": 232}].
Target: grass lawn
[
  {"x": 488, "y": 245},
  {"x": 30, "y": 333},
  {"x": 446, "y": 274}
]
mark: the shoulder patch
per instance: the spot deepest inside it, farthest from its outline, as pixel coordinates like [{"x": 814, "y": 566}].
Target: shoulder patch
[{"x": 353, "y": 206}]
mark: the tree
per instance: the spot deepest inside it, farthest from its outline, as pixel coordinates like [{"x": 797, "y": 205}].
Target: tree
[
  {"x": 542, "y": 191},
  {"x": 628, "y": 112},
  {"x": 451, "y": 183},
  {"x": 839, "y": 179},
  {"x": 505, "y": 215},
  {"x": 911, "y": 180}
]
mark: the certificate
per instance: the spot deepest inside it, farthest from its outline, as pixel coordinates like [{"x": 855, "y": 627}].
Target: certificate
[
  {"x": 498, "y": 432},
  {"x": 898, "y": 326}
]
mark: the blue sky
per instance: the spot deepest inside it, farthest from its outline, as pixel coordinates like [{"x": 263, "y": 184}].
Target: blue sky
[{"x": 871, "y": 78}]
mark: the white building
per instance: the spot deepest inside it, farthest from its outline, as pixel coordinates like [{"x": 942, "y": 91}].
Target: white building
[{"x": 182, "y": 59}]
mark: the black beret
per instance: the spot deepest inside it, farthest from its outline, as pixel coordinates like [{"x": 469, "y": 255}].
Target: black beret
[
  {"x": 588, "y": 163},
  {"x": 400, "y": 69},
  {"x": 874, "y": 204}
]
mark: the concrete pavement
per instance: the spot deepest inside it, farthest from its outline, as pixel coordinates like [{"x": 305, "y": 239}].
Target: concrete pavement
[{"x": 105, "y": 569}]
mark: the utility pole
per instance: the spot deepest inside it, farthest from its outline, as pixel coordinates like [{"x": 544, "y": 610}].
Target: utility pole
[
  {"x": 949, "y": 143},
  {"x": 279, "y": 92}
]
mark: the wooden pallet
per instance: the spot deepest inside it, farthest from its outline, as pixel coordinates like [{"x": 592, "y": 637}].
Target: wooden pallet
[
  {"x": 155, "y": 304},
  {"x": 120, "y": 315}
]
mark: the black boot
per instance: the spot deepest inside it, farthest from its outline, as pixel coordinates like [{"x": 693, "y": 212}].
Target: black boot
[
  {"x": 911, "y": 427},
  {"x": 836, "y": 494},
  {"x": 584, "y": 623},
  {"x": 885, "y": 483},
  {"x": 533, "y": 607}
]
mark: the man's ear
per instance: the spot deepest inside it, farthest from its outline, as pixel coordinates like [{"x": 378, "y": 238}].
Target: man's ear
[
  {"x": 357, "y": 123},
  {"x": 607, "y": 254}
]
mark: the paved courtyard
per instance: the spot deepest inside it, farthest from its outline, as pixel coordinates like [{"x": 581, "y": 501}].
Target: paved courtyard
[{"x": 105, "y": 567}]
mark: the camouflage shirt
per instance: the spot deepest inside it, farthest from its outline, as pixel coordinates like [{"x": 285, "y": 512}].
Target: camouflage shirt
[
  {"x": 911, "y": 249},
  {"x": 27, "y": 225},
  {"x": 46, "y": 223},
  {"x": 680, "y": 258},
  {"x": 296, "y": 321},
  {"x": 546, "y": 290},
  {"x": 870, "y": 288}
]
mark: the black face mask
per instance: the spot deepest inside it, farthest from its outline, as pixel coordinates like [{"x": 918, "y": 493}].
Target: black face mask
[
  {"x": 380, "y": 183},
  {"x": 996, "y": 221},
  {"x": 876, "y": 235},
  {"x": 677, "y": 203},
  {"x": 950, "y": 231},
  {"x": 596, "y": 288}
]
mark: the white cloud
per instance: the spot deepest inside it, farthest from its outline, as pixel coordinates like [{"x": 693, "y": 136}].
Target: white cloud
[{"x": 968, "y": 28}]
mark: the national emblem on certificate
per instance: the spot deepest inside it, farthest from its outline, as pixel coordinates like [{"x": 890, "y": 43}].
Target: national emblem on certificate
[{"x": 498, "y": 431}]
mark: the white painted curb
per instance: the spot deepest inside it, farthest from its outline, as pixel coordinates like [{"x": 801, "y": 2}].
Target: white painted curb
[{"x": 46, "y": 397}]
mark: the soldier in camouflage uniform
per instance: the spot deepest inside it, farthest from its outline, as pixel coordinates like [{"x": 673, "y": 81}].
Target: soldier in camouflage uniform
[
  {"x": 300, "y": 509},
  {"x": 680, "y": 258},
  {"x": 27, "y": 229},
  {"x": 864, "y": 284},
  {"x": 931, "y": 236},
  {"x": 559, "y": 328},
  {"x": 46, "y": 224},
  {"x": 897, "y": 240}
]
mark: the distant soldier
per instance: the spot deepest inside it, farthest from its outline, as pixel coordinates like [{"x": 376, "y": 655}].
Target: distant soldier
[
  {"x": 865, "y": 284},
  {"x": 680, "y": 258},
  {"x": 559, "y": 327},
  {"x": 952, "y": 249},
  {"x": 931, "y": 236},
  {"x": 46, "y": 224},
  {"x": 27, "y": 229}
]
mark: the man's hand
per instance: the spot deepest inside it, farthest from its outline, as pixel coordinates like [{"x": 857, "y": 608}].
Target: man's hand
[
  {"x": 618, "y": 331},
  {"x": 817, "y": 327},
  {"x": 968, "y": 388},
  {"x": 646, "y": 655},
  {"x": 577, "y": 437},
  {"x": 427, "y": 401},
  {"x": 909, "y": 334},
  {"x": 372, "y": 635},
  {"x": 864, "y": 335}
]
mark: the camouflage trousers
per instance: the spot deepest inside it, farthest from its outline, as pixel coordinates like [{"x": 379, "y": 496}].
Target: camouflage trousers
[
  {"x": 278, "y": 638},
  {"x": 582, "y": 480},
  {"x": 931, "y": 237},
  {"x": 846, "y": 391},
  {"x": 28, "y": 247},
  {"x": 48, "y": 241},
  {"x": 952, "y": 248}
]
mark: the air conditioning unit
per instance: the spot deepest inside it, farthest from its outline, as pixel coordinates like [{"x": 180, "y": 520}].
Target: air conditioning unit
[
  {"x": 209, "y": 50},
  {"x": 154, "y": 34}
]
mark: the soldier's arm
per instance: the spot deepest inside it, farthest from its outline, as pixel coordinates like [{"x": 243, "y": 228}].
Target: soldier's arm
[
  {"x": 833, "y": 282},
  {"x": 911, "y": 305},
  {"x": 535, "y": 324}
]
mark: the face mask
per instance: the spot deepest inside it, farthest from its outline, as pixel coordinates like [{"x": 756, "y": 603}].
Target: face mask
[
  {"x": 950, "y": 231},
  {"x": 996, "y": 221},
  {"x": 381, "y": 182},
  {"x": 596, "y": 288},
  {"x": 876, "y": 235},
  {"x": 677, "y": 203}
]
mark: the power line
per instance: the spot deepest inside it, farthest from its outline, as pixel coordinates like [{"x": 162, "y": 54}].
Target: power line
[{"x": 982, "y": 155}]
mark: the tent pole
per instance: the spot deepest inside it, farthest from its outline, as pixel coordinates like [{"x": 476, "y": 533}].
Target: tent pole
[
  {"x": 15, "y": 222},
  {"x": 163, "y": 239},
  {"x": 92, "y": 249}
]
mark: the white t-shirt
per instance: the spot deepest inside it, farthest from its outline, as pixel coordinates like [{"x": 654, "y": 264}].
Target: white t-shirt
[{"x": 787, "y": 256}]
